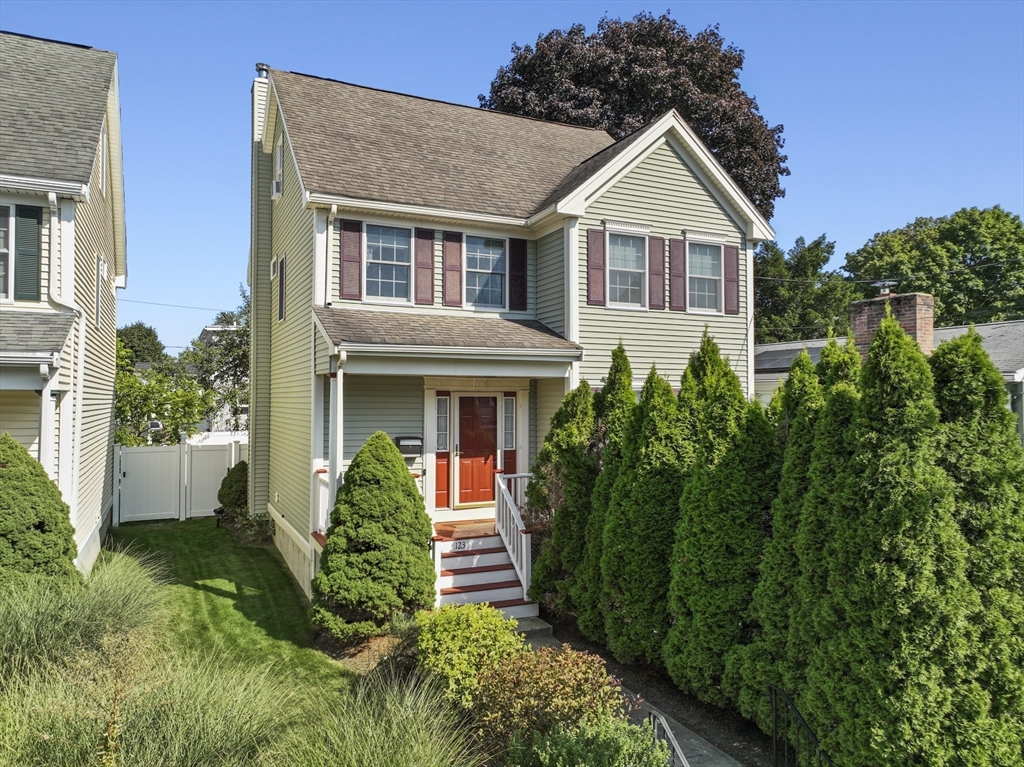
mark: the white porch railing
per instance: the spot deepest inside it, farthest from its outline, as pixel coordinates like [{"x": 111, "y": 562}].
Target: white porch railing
[
  {"x": 323, "y": 492},
  {"x": 509, "y": 522}
]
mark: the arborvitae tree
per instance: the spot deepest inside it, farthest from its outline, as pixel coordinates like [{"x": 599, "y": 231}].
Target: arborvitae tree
[
  {"x": 615, "y": 405},
  {"x": 838, "y": 363},
  {"x": 718, "y": 546},
  {"x": 765, "y": 661},
  {"x": 563, "y": 479},
  {"x": 377, "y": 558},
  {"x": 643, "y": 511},
  {"x": 982, "y": 455},
  {"x": 897, "y": 586},
  {"x": 36, "y": 535}
]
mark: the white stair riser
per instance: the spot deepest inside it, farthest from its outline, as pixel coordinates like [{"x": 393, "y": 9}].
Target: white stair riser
[
  {"x": 531, "y": 610},
  {"x": 488, "y": 542},
  {"x": 471, "y": 579},
  {"x": 488, "y": 595},
  {"x": 475, "y": 560}
]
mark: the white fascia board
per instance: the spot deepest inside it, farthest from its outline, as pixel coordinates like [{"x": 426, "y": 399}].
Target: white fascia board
[
  {"x": 287, "y": 138},
  {"x": 30, "y": 358},
  {"x": 575, "y": 203},
  {"x": 72, "y": 189},
  {"x": 1016, "y": 376},
  {"x": 319, "y": 199},
  {"x": 117, "y": 180},
  {"x": 461, "y": 352}
]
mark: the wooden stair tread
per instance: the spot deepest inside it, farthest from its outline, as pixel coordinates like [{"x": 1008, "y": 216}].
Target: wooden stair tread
[
  {"x": 478, "y": 569},
  {"x": 510, "y": 603},
  {"x": 474, "y": 552},
  {"x": 470, "y": 528},
  {"x": 482, "y": 587}
]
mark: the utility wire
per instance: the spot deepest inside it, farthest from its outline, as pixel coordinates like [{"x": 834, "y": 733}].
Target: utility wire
[{"x": 172, "y": 306}]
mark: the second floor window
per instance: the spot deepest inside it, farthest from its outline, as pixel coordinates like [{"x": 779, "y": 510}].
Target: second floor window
[
  {"x": 627, "y": 267},
  {"x": 5, "y": 254},
  {"x": 485, "y": 272},
  {"x": 705, "y": 277},
  {"x": 20, "y": 252},
  {"x": 388, "y": 260}
]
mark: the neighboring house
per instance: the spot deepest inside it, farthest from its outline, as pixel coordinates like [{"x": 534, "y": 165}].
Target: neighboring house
[
  {"x": 62, "y": 254},
  {"x": 1004, "y": 342},
  {"x": 446, "y": 274}
]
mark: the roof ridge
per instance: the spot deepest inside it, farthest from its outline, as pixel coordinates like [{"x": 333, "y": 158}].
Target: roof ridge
[
  {"x": 51, "y": 40},
  {"x": 479, "y": 110}
]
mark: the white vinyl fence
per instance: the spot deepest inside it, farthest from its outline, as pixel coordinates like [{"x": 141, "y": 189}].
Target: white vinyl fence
[{"x": 171, "y": 482}]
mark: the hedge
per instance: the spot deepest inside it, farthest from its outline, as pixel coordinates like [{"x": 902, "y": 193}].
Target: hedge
[{"x": 233, "y": 495}]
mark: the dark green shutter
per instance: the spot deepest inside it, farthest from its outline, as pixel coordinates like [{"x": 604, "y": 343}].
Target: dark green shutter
[{"x": 28, "y": 226}]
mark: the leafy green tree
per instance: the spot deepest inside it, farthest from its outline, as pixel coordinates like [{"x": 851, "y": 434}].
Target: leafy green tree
[
  {"x": 142, "y": 340},
  {"x": 795, "y": 298},
  {"x": 765, "y": 661},
  {"x": 614, "y": 409},
  {"x": 972, "y": 262},
  {"x": 36, "y": 535},
  {"x": 896, "y": 582},
  {"x": 838, "y": 363},
  {"x": 629, "y": 73},
  {"x": 173, "y": 398},
  {"x": 563, "y": 478},
  {"x": 377, "y": 557},
  {"x": 718, "y": 544},
  {"x": 644, "y": 507},
  {"x": 982, "y": 455},
  {"x": 221, "y": 364}
]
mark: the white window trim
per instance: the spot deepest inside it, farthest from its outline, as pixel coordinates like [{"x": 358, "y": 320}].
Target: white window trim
[
  {"x": 515, "y": 423},
  {"x": 103, "y": 158},
  {"x": 9, "y": 298},
  {"x": 504, "y": 284},
  {"x": 277, "y": 186},
  {"x": 280, "y": 261},
  {"x": 706, "y": 238},
  {"x": 101, "y": 277},
  {"x": 384, "y": 300},
  {"x": 11, "y": 201},
  {"x": 630, "y": 230},
  {"x": 448, "y": 423}
]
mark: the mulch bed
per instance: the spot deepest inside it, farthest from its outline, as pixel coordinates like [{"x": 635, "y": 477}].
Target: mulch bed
[
  {"x": 361, "y": 658},
  {"x": 727, "y": 730}
]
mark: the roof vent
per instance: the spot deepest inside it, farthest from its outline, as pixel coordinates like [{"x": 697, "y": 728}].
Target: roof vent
[
  {"x": 263, "y": 71},
  {"x": 884, "y": 287}
]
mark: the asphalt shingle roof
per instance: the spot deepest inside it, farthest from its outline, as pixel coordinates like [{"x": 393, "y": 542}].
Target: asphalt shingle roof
[
  {"x": 358, "y": 326},
  {"x": 1004, "y": 342},
  {"x": 376, "y": 145},
  {"x": 22, "y": 332},
  {"x": 52, "y": 100}
]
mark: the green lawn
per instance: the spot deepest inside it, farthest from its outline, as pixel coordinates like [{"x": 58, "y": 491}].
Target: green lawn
[{"x": 236, "y": 601}]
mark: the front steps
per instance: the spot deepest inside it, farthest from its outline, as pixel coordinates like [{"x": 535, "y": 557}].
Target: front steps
[{"x": 476, "y": 568}]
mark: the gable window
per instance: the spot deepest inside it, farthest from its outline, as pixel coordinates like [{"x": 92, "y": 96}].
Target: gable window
[
  {"x": 103, "y": 158},
  {"x": 101, "y": 278},
  {"x": 280, "y": 288},
  {"x": 705, "y": 270},
  {"x": 277, "y": 186},
  {"x": 485, "y": 272},
  {"x": 627, "y": 270},
  {"x": 388, "y": 261}
]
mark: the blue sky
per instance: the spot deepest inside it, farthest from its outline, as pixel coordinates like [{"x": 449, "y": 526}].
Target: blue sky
[{"x": 891, "y": 110}]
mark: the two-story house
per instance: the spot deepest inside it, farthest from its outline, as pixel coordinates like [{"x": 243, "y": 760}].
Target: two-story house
[
  {"x": 62, "y": 254},
  {"x": 446, "y": 274}
]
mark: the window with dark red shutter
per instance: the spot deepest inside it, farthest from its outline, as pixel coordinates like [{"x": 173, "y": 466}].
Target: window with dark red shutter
[
  {"x": 656, "y": 272},
  {"x": 351, "y": 268},
  {"x": 732, "y": 279},
  {"x": 517, "y": 275},
  {"x": 677, "y": 275},
  {"x": 595, "y": 267},
  {"x": 452, "y": 255},
  {"x": 425, "y": 267}
]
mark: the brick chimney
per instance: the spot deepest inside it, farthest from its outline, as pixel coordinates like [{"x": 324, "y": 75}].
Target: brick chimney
[{"x": 914, "y": 311}]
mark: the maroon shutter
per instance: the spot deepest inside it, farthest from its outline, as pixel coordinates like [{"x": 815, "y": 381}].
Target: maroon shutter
[
  {"x": 677, "y": 275},
  {"x": 351, "y": 271},
  {"x": 425, "y": 266},
  {"x": 656, "y": 272},
  {"x": 517, "y": 275},
  {"x": 595, "y": 267},
  {"x": 732, "y": 279},
  {"x": 452, "y": 268}
]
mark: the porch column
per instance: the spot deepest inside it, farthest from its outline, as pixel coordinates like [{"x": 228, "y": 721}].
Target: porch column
[
  {"x": 46, "y": 419},
  {"x": 336, "y": 447}
]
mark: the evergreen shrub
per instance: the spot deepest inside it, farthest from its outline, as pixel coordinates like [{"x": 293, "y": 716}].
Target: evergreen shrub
[
  {"x": 563, "y": 479},
  {"x": 610, "y": 742},
  {"x": 233, "y": 495},
  {"x": 456, "y": 642},
  {"x": 376, "y": 561},
  {"x": 644, "y": 507},
  {"x": 36, "y": 535},
  {"x": 613, "y": 409}
]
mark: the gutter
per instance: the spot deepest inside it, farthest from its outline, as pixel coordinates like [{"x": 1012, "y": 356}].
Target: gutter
[
  {"x": 30, "y": 358},
  {"x": 78, "y": 192},
  {"x": 463, "y": 352}
]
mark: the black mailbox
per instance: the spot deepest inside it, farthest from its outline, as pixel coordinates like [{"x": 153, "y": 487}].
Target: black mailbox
[{"x": 410, "y": 446}]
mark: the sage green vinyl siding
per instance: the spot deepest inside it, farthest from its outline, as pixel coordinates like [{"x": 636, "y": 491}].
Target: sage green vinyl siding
[
  {"x": 392, "y": 404},
  {"x": 19, "y": 416},
  {"x": 663, "y": 193},
  {"x": 291, "y": 374},
  {"x": 533, "y": 422},
  {"x": 551, "y": 280},
  {"x": 550, "y": 392},
  {"x": 259, "y": 389},
  {"x": 438, "y": 306}
]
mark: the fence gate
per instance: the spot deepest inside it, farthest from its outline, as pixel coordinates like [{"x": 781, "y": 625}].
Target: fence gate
[{"x": 170, "y": 482}]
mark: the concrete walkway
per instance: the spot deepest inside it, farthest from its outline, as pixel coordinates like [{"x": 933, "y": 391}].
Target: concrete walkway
[{"x": 698, "y": 752}]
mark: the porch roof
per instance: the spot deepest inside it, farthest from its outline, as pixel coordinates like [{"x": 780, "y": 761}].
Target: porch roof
[
  {"x": 34, "y": 332},
  {"x": 361, "y": 328}
]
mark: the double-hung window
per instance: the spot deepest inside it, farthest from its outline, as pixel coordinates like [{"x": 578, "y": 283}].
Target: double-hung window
[
  {"x": 627, "y": 270},
  {"x": 20, "y": 252},
  {"x": 705, "y": 277},
  {"x": 485, "y": 272},
  {"x": 388, "y": 263}
]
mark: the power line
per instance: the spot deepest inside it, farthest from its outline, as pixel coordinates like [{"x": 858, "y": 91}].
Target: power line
[{"x": 172, "y": 306}]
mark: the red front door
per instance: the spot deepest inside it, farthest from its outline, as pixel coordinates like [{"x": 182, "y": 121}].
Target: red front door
[{"x": 477, "y": 448}]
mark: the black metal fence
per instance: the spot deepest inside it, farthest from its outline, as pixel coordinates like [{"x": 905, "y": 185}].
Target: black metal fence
[{"x": 793, "y": 743}]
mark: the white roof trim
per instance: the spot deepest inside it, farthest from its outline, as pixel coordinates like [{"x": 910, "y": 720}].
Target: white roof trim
[
  {"x": 672, "y": 127},
  {"x": 30, "y": 358},
  {"x": 72, "y": 189},
  {"x": 116, "y": 160},
  {"x": 463, "y": 352},
  {"x": 319, "y": 199}
]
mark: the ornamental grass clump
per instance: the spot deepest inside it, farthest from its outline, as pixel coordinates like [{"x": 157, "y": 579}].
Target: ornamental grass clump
[
  {"x": 36, "y": 535},
  {"x": 376, "y": 561},
  {"x": 613, "y": 410},
  {"x": 563, "y": 478}
]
